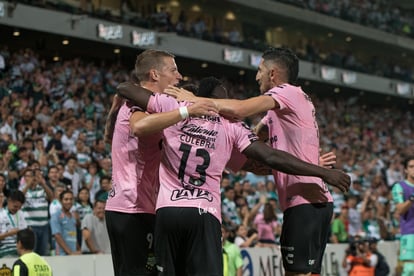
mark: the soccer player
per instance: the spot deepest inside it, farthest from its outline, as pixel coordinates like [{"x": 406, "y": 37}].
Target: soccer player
[
  {"x": 130, "y": 209},
  {"x": 403, "y": 195},
  {"x": 291, "y": 123}
]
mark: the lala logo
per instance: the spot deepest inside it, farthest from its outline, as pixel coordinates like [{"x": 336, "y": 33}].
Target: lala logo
[{"x": 190, "y": 194}]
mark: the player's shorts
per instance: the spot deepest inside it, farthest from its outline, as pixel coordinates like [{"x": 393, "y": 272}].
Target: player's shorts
[
  {"x": 188, "y": 242},
  {"x": 407, "y": 247},
  {"x": 132, "y": 243},
  {"x": 305, "y": 232}
]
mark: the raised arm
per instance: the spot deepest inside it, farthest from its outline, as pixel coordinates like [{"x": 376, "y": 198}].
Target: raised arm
[
  {"x": 230, "y": 108},
  {"x": 287, "y": 163},
  {"x": 144, "y": 124},
  {"x": 136, "y": 94}
]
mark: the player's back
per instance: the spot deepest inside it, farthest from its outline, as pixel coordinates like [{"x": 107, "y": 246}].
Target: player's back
[
  {"x": 195, "y": 152},
  {"x": 135, "y": 164}
]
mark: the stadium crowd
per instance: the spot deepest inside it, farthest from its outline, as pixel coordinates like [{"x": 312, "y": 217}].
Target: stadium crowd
[
  {"x": 52, "y": 117},
  {"x": 382, "y": 14}
]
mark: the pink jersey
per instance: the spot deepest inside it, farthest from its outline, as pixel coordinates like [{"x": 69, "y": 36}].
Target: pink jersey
[
  {"x": 265, "y": 230},
  {"x": 195, "y": 152},
  {"x": 135, "y": 164},
  {"x": 293, "y": 128}
]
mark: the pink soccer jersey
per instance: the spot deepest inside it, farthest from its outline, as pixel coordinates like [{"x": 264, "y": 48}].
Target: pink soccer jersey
[
  {"x": 293, "y": 128},
  {"x": 135, "y": 164},
  {"x": 196, "y": 151}
]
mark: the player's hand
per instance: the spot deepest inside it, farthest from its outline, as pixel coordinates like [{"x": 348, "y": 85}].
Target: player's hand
[
  {"x": 180, "y": 94},
  {"x": 203, "y": 107},
  {"x": 338, "y": 179},
  {"x": 327, "y": 160}
]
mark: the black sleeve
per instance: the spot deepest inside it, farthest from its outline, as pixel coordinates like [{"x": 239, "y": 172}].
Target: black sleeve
[{"x": 22, "y": 268}]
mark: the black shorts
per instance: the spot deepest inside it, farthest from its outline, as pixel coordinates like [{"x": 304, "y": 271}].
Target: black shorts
[
  {"x": 132, "y": 243},
  {"x": 188, "y": 242},
  {"x": 305, "y": 232}
]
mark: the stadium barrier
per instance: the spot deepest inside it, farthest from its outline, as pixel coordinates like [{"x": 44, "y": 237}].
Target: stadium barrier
[{"x": 257, "y": 262}]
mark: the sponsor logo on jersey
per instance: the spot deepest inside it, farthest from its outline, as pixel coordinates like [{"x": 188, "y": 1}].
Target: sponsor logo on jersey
[{"x": 190, "y": 194}]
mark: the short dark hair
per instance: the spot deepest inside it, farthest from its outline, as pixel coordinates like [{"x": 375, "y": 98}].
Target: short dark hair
[
  {"x": 26, "y": 238},
  {"x": 17, "y": 196},
  {"x": 105, "y": 177},
  {"x": 62, "y": 194},
  {"x": 228, "y": 188},
  {"x": 190, "y": 87},
  {"x": 286, "y": 59},
  {"x": 407, "y": 160},
  {"x": 207, "y": 86}
]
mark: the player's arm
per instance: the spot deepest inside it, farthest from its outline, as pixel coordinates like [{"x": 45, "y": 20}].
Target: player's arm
[
  {"x": 111, "y": 119},
  {"x": 230, "y": 108},
  {"x": 402, "y": 206},
  {"x": 138, "y": 95},
  {"x": 287, "y": 163},
  {"x": 245, "y": 108},
  {"x": 144, "y": 124},
  {"x": 256, "y": 167}
]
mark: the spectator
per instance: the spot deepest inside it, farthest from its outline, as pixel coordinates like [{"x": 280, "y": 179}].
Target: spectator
[
  {"x": 230, "y": 216},
  {"x": 83, "y": 204},
  {"x": 382, "y": 268},
  {"x": 92, "y": 180},
  {"x": 12, "y": 219},
  {"x": 63, "y": 225},
  {"x": 267, "y": 226},
  {"x": 69, "y": 140},
  {"x": 53, "y": 177},
  {"x": 354, "y": 217},
  {"x": 55, "y": 205},
  {"x": 83, "y": 155},
  {"x": 359, "y": 260},
  {"x": 232, "y": 259},
  {"x": 38, "y": 195},
  {"x": 106, "y": 186},
  {"x": 72, "y": 173},
  {"x": 95, "y": 237},
  {"x": 242, "y": 240},
  {"x": 55, "y": 144},
  {"x": 339, "y": 226},
  {"x": 3, "y": 188}
]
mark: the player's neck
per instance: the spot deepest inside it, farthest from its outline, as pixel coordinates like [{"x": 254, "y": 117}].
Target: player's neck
[{"x": 152, "y": 86}]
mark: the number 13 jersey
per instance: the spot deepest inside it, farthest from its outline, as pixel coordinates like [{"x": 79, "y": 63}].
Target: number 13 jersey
[{"x": 195, "y": 152}]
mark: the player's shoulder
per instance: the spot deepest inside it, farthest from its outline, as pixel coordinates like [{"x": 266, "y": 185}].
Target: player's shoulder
[{"x": 283, "y": 88}]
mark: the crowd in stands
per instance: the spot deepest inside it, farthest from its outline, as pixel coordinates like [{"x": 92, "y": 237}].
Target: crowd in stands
[
  {"x": 381, "y": 14},
  {"x": 384, "y": 15},
  {"x": 51, "y": 124}
]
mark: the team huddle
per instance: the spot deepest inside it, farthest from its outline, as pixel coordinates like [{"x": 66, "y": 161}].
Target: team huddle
[{"x": 169, "y": 152}]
